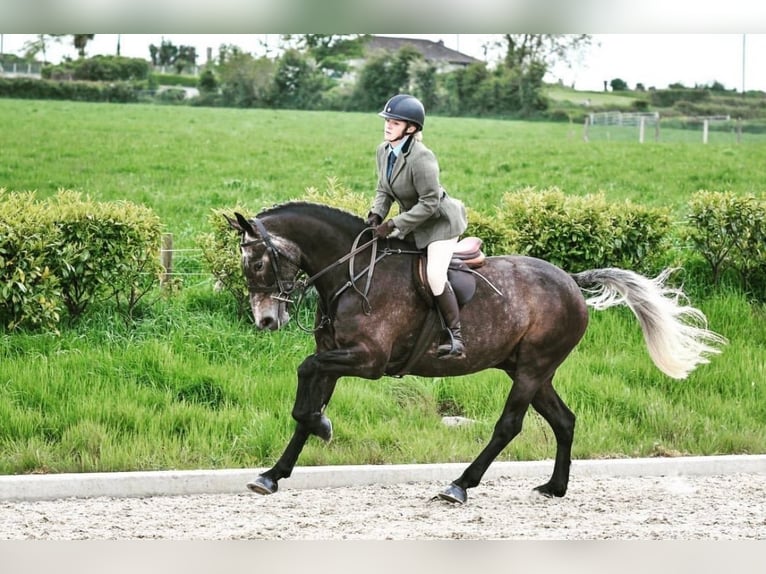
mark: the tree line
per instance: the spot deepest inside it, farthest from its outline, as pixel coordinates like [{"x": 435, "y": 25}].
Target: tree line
[{"x": 318, "y": 72}]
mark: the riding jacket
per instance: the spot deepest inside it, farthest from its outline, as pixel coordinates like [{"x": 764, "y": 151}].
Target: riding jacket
[{"x": 426, "y": 212}]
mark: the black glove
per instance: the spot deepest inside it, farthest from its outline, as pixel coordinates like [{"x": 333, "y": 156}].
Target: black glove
[
  {"x": 373, "y": 220},
  {"x": 385, "y": 229}
]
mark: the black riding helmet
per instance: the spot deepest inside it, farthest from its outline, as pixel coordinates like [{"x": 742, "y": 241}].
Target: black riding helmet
[{"x": 405, "y": 107}]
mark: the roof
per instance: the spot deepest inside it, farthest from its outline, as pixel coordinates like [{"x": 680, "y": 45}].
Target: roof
[{"x": 432, "y": 51}]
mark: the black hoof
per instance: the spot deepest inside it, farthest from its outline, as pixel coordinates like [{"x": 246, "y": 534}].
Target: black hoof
[
  {"x": 549, "y": 491},
  {"x": 324, "y": 429},
  {"x": 263, "y": 485},
  {"x": 454, "y": 493}
]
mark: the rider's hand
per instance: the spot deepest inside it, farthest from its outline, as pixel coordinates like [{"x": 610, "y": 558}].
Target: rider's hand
[
  {"x": 373, "y": 220},
  {"x": 385, "y": 229}
]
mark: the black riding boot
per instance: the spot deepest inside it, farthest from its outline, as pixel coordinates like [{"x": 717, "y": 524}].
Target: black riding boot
[{"x": 447, "y": 302}]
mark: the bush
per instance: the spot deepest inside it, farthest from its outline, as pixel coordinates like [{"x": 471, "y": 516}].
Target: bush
[
  {"x": 29, "y": 291},
  {"x": 729, "y": 232},
  {"x": 69, "y": 252},
  {"x": 578, "y": 233},
  {"x": 29, "y": 88},
  {"x": 221, "y": 255},
  {"x": 100, "y": 69}
]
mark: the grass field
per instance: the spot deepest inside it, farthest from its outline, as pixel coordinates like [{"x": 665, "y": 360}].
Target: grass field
[{"x": 190, "y": 386}]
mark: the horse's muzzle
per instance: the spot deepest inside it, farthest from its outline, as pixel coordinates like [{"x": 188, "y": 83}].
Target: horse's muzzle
[{"x": 268, "y": 313}]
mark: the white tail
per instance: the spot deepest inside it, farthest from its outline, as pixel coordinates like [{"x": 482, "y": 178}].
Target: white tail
[{"x": 676, "y": 334}]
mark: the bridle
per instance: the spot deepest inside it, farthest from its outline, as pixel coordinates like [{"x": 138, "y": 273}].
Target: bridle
[
  {"x": 284, "y": 290},
  {"x": 280, "y": 289}
]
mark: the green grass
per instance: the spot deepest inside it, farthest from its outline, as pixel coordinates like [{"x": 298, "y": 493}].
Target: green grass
[
  {"x": 190, "y": 386},
  {"x": 184, "y": 161}
]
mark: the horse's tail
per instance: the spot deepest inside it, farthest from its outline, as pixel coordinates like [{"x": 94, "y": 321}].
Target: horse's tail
[{"x": 676, "y": 334}]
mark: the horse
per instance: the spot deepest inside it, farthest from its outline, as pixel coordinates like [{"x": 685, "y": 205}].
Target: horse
[{"x": 525, "y": 318}]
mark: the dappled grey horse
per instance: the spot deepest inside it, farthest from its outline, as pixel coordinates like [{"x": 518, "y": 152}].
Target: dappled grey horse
[{"x": 525, "y": 318}]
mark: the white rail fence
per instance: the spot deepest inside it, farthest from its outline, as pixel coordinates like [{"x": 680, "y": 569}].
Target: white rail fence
[{"x": 639, "y": 125}]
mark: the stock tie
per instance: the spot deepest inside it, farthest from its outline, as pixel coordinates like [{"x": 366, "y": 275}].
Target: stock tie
[{"x": 391, "y": 161}]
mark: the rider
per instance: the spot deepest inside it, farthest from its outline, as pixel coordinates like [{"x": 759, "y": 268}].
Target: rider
[{"x": 408, "y": 173}]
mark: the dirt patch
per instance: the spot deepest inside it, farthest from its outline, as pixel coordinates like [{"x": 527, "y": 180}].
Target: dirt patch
[{"x": 696, "y": 507}]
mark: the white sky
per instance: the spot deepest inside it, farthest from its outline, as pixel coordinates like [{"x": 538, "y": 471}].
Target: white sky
[{"x": 651, "y": 59}]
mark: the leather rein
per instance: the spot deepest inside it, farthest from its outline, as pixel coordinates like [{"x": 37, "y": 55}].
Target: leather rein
[{"x": 283, "y": 290}]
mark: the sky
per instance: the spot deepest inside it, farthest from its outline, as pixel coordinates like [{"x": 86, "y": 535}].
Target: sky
[{"x": 654, "y": 60}]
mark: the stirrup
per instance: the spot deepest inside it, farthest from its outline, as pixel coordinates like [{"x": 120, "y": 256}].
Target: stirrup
[{"x": 451, "y": 349}]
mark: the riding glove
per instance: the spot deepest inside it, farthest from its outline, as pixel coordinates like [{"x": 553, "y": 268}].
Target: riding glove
[
  {"x": 385, "y": 229},
  {"x": 373, "y": 220}
]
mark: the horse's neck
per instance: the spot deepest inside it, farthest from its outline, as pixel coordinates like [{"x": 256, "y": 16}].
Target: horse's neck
[{"x": 320, "y": 245}]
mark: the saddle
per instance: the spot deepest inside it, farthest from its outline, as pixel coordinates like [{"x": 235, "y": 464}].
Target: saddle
[{"x": 467, "y": 256}]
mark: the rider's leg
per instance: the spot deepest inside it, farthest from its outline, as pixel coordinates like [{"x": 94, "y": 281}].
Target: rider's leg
[{"x": 439, "y": 257}]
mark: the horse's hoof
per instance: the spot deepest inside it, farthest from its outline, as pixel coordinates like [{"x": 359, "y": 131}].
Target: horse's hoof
[
  {"x": 263, "y": 485},
  {"x": 548, "y": 491},
  {"x": 324, "y": 429},
  {"x": 454, "y": 493}
]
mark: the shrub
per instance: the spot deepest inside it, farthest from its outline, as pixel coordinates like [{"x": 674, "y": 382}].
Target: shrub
[
  {"x": 729, "y": 232},
  {"x": 578, "y": 233},
  {"x": 29, "y": 291},
  {"x": 68, "y": 252}
]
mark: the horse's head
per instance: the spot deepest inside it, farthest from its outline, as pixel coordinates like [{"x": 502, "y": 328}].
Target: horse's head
[{"x": 270, "y": 265}]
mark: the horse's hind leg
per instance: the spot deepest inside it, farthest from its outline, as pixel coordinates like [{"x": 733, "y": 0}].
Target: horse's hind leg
[
  {"x": 506, "y": 428},
  {"x": 548, "y": 403}
]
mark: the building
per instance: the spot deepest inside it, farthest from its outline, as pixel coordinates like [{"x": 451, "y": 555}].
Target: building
[{"x": 436, "y": 53}]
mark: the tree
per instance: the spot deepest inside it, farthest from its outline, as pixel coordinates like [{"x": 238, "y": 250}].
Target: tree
[
  {"x": 40, "y": 45},
  {"x": 245, "y": 81},
  {"x": 524, "y": 50},
  {"x": 383, "y": 76},
  {"x": 331, "y": 52},
  {"x": 168, "y": 54},
  {"x": 618, "y": 85},
  {"x": 297, "y": 82},
  {"x": 80, "y": 41}
]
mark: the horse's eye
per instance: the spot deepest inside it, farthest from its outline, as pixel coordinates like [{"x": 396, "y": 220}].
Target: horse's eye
[{"x": 258, "y": 265}]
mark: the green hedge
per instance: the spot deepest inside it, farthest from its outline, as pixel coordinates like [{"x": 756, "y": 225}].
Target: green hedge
[
  {"x": 729, "y": 232},
  {"x": 99, "y": 69},
  {"x": 63, "y": 254},
  {"x": 30, "y": 88}
]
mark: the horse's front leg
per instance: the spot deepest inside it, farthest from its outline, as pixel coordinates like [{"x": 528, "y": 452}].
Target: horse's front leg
[{"x": 314, "y": 391}]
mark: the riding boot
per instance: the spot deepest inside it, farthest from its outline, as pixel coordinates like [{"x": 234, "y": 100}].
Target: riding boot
[{"x": 448, "y": 306}]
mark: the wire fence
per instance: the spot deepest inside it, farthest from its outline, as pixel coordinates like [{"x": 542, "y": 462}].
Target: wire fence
[{"x": 647, "y": 127}]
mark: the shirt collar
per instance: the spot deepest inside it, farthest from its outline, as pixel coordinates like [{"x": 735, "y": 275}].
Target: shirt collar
[{"x": 398, "y": 149}]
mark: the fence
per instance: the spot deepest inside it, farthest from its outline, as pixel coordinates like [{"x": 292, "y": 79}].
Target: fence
[
  {"x": 644, "y": 126},
  {"x": 178, "y": 263}
]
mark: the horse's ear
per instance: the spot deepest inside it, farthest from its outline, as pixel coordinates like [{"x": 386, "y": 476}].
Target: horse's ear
[
  {"x": 244, "y": 225},
  {"x": 241, "y": 224},
  {"x": 232, "y": 223}
]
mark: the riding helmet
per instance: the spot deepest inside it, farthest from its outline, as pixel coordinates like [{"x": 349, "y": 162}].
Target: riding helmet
[{"x": 405, "y": 107}]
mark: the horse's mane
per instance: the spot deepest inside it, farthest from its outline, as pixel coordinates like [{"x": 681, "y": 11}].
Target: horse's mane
[{"x": 335, "y": 216}]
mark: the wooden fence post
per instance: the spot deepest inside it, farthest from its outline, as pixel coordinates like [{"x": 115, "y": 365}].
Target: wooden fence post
[
  {"x": 166, "y": 258},
  {"x": 585, "y": 132}
]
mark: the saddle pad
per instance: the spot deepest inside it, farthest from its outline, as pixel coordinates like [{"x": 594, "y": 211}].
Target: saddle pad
[
  {"x": 468, "y": 250},
  {"x": 467, "y": 245}
]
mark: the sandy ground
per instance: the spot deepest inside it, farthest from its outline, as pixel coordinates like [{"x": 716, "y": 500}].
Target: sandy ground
[{"x": 726, "y": 507}]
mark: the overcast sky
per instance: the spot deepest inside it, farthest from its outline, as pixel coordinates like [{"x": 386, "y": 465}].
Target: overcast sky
[{"x": 651, "y": 59}]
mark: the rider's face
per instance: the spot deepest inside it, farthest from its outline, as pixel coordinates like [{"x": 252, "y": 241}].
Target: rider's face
[{"x": 395, "y": 130}]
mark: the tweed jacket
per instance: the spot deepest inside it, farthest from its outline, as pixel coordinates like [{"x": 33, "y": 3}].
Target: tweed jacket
[{"x": 426, "y": 212}]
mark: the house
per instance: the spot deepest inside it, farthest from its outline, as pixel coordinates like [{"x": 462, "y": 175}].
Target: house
[
  {"x": 444, "y": 59},
  {"x": 436, "y": 53}
]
